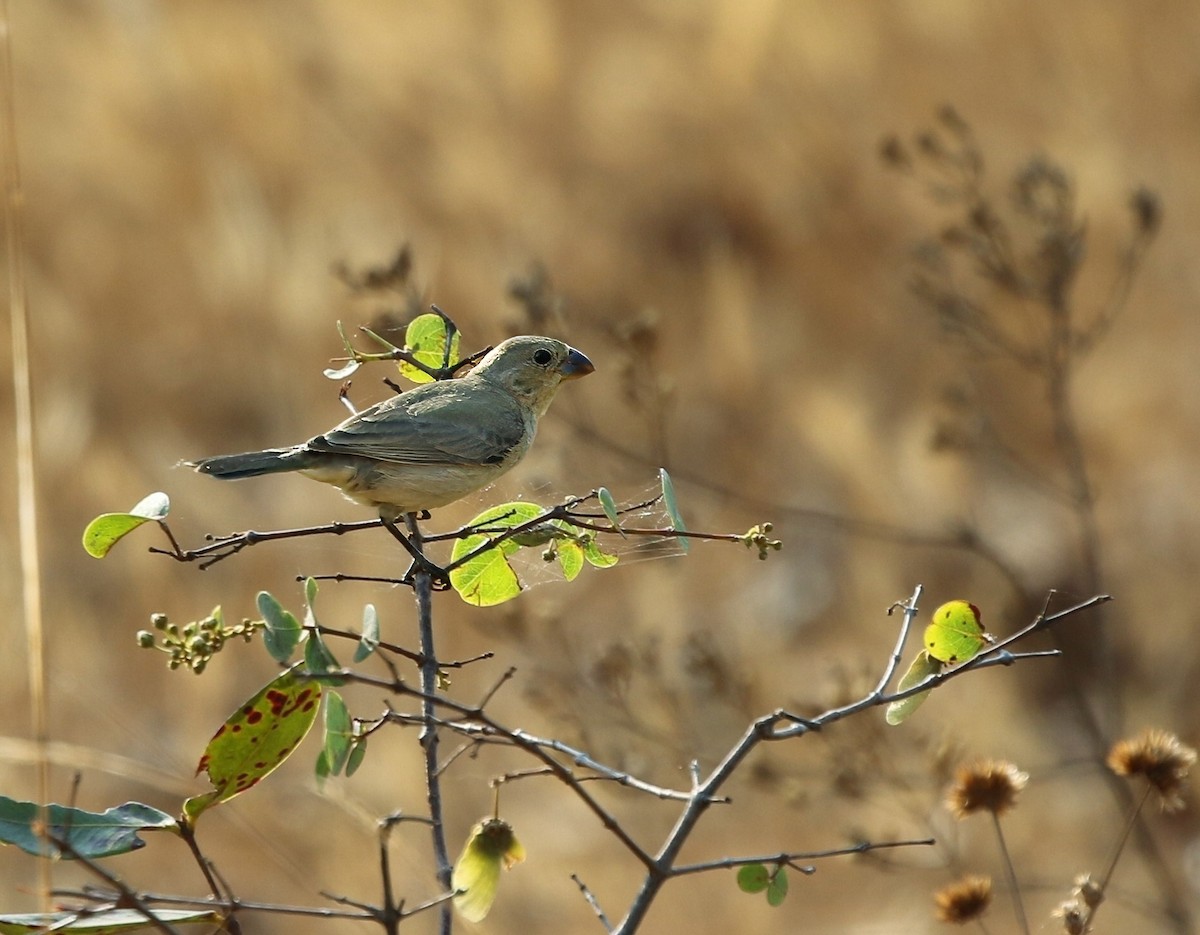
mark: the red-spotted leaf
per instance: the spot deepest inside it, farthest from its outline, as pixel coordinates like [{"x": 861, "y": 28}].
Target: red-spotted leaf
[{"x": 256, "y": 739}]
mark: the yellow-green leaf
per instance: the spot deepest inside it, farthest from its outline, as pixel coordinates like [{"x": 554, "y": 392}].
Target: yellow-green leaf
[
  {"x": 426, "y": 339},
  {"x": 491, "y": 845},
  {"x": 488, "y": 579},
  {"x": 570, "y": 558},
  {"x": 596, "y": 556},
  {"x": 922, "y": 668},
  {"x": 107, "y": 530},
  {"x": 956, "y": 633}
]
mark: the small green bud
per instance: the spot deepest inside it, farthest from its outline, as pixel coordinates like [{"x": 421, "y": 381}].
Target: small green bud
[
  {"x": 158, "y": 621},
  {"x": 145, "y": 639}
]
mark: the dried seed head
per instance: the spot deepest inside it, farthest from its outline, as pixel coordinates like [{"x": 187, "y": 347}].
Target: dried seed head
[
  {"x": 964, "y": 900},
  {"x": 1088, "y": 891},
  {"x": 1073, "y": 917},
  {"x": 1159, "y": 756},
  {"x": 989, "y": 785}
]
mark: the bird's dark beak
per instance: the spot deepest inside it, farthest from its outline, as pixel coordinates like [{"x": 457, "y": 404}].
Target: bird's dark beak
[{"x": 576, "y": 365}]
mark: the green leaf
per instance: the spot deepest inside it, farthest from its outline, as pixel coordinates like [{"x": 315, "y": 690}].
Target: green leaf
[
  {"x": 488, "y": 578},
  {"x": 426, "y": 340},
  {"x": 597, "y": 556},
  {"x": 672, "y": 507},
  {"x": 102, "y": 922},
  {"x": 609, "y": 506},
  {"x": 283, "y": 629},
  {"x": 753, "y": 878},
  {"x": 107, "y": 530},
  {"x": 259, "y": 736},
  {"x": 318, "y": 659},
  {"x": 358, "y": 753},
  {"x": 370, "y": 634},
  {"x": 339, "y": 732},
  {"x": 570, "y": 558},
  {"x": 778, "y": 889},
  {"x": 90, "y": 834},
  {"x": 922, "y": 668}
]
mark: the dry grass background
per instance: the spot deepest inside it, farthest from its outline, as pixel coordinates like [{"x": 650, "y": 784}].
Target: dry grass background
[{"x": 702, "y": 182}]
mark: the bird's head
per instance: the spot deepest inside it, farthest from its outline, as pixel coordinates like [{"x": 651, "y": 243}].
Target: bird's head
[{"x": 531, "y": 368}]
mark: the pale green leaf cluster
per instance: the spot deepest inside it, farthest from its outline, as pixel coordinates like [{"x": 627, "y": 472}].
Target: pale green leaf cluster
[
  {"x": 487, "y": 578},
  {"x": 756, "y": 878}
]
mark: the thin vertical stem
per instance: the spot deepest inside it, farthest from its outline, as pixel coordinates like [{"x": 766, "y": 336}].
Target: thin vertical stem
[
  {"x": 423, "y": 590},
  {"x": 1120, "y": 845},
  {"x": 31, "y": 586},
  {"x": 1018, "y": 903}
]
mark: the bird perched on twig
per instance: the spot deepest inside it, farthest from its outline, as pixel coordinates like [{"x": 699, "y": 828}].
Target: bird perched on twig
[{"x": 435, "y": 443}]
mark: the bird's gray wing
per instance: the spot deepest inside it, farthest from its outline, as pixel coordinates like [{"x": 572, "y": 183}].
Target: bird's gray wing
[{"x": 450, "y": 422}]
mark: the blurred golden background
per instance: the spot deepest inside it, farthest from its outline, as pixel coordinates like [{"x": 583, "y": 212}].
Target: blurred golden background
[{"x": 701, "y": 184}]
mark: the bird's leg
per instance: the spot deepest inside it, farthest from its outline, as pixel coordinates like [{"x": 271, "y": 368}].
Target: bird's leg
[{"x": 441, "y": 580}]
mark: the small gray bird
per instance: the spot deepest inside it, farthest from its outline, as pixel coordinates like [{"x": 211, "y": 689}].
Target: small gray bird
[{"x": 435, "y": 443}]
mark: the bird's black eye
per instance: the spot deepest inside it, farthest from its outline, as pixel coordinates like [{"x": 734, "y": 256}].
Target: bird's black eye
[{"x": 541, "y": 357}]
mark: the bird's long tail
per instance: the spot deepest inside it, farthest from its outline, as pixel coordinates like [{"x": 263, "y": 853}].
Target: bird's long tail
[{"x": 252, "y": 463}]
